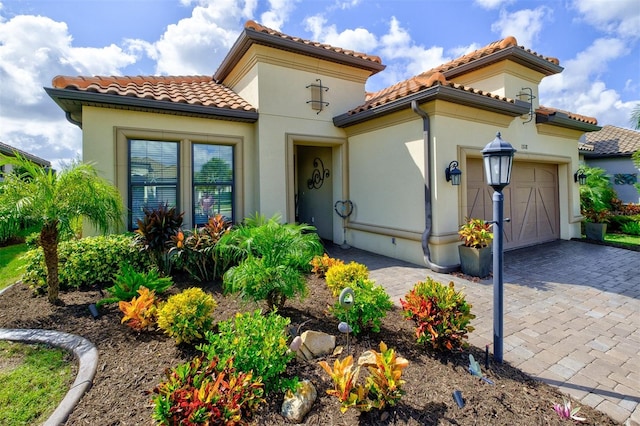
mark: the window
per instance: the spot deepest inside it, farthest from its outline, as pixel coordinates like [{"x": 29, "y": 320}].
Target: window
[
  {"x": 212, "y": 182},
  {"x": 197, "y": 177},
  {"x": 153, "y": 176}
]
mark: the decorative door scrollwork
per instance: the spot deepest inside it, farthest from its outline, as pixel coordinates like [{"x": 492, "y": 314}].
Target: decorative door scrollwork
[{"x": 318, "y": 175}]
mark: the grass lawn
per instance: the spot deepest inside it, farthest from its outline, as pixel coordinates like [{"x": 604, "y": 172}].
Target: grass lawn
[
  {"x": 33, "y": 381},
  {"x": 11, "y": 264},
  {"x": 623, "y": 239}
]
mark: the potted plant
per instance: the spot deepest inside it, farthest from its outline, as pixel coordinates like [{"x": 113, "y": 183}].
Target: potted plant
[
  {"x": 595, "y": 202},
  {"x": 475, "y": 253},
  {"x": 595, "y": 223}
]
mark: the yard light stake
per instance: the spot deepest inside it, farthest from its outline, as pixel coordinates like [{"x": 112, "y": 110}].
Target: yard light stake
[{"x": 344, "y": 210}]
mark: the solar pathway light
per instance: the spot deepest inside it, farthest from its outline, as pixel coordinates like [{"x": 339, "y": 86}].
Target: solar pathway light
[{"x": 498, "y": 159}]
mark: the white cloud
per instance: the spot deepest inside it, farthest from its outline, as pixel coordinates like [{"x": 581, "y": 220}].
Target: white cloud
[
  {"x": 359, "y": 39},
  {"x": 197, "y": 45},
  {"x": 492, "y": 4},
  {"x": 620, "y": 17},
  {"x": 580, "y": 89},
  {"x": 278, "y": 14},
  {"x": 524, "y": 25},
  {"x": 33, "y": 49}
]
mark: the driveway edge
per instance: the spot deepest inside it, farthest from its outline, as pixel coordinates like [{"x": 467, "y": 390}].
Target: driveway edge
[{"x": 85, "y": 352}]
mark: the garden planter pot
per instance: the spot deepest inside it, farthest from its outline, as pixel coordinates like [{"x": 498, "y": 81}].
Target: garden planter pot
[
  {"x": 595, "y": 231},
  {"x": 475, "y": 261}
]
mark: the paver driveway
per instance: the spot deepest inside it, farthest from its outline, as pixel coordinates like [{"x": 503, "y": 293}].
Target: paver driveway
[{"x": 571, "y": 316}]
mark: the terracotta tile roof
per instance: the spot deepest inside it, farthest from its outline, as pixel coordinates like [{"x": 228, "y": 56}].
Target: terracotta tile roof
[
  {"x": 548, "y": 112},
  {"x": 192, "y": 90},
  {"x": 261, "y": 28},
  {"x": 438, "y": 75},
  {"x": 415, "y": 85},
  {"x": 494, "y": 47},
  {"x": 611, "y": 140}
]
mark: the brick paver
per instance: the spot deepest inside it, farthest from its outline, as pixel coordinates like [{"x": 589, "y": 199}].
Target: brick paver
[{"x": 571, "y": 316}]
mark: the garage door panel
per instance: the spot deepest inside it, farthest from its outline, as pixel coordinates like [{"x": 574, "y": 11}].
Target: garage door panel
[{"x": 531, "y": 201}]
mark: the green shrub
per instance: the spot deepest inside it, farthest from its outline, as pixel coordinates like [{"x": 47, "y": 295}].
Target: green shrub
[
  {"x": 631, "y": 228},
  {"x": 382, "y": 388},
  {"x": 206, "y": 393},
  {"x": 273, "y": 260},
  {"x": 617, "y": 222},
  {"x": 186, "y": 316},
  {"x": 370, "y": 305},
  {"x": 129, "y": 281},
  {"x": 340, "y": 276},
  {"x": 256, "y": 343},
  {"x": 155, "y": 231},
  {"x": 86, "y": 262},
  {"x": 193, "y": 251},
  {"x": 8, "y": 227},
  {"x": 441, "y": 314}
]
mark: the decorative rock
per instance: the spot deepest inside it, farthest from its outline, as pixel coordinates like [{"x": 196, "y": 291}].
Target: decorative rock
[
  {"x": 296, "y": 406},
  {"x": 367, "y": 359},
  {"x": 295, "y": 343},
  {"x": 316, "y": 344},
  {"x": 343, "y": 327}
]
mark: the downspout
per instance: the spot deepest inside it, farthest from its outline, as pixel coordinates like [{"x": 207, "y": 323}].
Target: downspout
[{"x": 446, "y": 269}]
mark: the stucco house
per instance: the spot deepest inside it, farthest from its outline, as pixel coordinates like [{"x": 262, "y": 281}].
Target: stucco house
[
  {"x": 286, "y": 126},
  {"x": 10, "y": 151},
  {"x": 610, "y": 149}
]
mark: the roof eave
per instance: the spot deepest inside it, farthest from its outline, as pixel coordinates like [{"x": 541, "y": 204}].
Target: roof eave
[
  {"x": 514, "y": 53},
  {"x": 250, "y": 36},
  {"x": 71, "y": 101},
  {"x": 438, "y": 92},
  {"x": 591, "y": 154},
  {"x": 563, "y": 120},
  {"x": 10, "y": 151}
]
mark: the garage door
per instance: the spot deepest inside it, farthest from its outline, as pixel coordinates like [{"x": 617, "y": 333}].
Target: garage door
[{"x": 531, "y": 201}]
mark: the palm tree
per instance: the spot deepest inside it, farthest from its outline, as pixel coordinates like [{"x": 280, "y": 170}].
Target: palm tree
[
  {"x": 53, "y": 201},
  {"x": 635, "y": 117}
]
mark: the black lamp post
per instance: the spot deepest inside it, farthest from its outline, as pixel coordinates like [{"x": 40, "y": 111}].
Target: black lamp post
[{"x": 498, "y": 159}]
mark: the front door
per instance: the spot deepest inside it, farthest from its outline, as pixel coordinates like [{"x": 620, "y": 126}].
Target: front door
[{"x": 315, "y": 188}]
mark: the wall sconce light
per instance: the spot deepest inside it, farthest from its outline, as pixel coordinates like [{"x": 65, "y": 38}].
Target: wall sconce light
[
  {"x": 580, "y": 177},
  {"x": 453, "y": 174}
]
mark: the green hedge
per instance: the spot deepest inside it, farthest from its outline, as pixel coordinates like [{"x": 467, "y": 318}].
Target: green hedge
[{"x": 87, "y": 261}]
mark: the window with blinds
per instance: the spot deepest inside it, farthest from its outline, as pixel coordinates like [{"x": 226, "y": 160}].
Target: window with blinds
[
  {"x": 212, "y": 182},
  {"x": 153, "y": 176}
]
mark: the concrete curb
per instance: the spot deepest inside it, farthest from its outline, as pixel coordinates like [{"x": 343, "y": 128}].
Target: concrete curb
[{"x": 83, "y": 350}]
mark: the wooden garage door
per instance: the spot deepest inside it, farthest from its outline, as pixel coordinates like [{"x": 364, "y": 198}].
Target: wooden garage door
[{"x": 531, "y": 201}]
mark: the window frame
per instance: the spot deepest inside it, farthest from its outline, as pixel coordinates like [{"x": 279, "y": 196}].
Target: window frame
[
  {"x": 130, "y": 184},
  {"x": 185, "y": 177}
]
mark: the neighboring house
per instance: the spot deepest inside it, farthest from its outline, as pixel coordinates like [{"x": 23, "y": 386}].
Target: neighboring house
[
  {"x": 10, "y": 151},
  {"x": 285, "y": 126},
  {"x": 611, "y": 149}
]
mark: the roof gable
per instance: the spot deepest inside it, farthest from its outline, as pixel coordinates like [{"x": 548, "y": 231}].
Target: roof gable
[{"x": 255, "y": 33}]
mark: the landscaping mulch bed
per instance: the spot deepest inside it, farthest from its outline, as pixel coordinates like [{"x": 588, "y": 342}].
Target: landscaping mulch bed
[{"x": 132, "y": 364}]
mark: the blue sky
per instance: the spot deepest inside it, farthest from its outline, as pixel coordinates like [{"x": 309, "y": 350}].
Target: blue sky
[{"x": 597, "y": 42}]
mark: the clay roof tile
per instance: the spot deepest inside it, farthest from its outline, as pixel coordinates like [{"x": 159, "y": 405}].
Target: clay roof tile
[{"x": 194, "y": 90}]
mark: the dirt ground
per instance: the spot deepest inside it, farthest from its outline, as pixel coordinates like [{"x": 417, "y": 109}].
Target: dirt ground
[{"x": 131, "y": 364}]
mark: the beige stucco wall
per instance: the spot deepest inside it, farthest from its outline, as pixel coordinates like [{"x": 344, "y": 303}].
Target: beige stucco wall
[
  {"x": 387, "y": 175},
  {"x": 103, "y": 127},
  {"x": 276, "y": 82}
]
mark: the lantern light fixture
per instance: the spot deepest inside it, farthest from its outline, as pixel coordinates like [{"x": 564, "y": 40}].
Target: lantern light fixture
[{"x": 453, "y": 173}]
